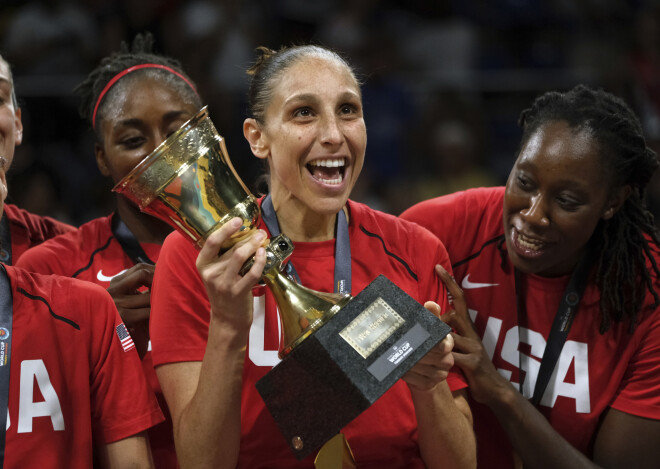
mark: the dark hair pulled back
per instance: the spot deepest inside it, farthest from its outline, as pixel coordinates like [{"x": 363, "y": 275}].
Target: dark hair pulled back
[{"x": 269, "y": 66}]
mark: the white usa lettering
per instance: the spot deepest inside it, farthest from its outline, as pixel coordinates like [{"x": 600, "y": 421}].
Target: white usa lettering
[
  {"x": 256, "y": 349},
  {"x": 32, "y": 370},
  {"x": 573, "y": 353}
]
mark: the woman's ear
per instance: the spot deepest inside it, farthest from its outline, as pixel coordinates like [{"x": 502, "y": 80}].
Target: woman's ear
[
  {"x": 616, "y": 201},
  {"x": 18, "y": 125},
  {"x": 256, "y": 138},
  {"x": 101, "y": 161}
]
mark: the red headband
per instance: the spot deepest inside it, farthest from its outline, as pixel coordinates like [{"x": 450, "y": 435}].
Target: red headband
[{"x": 116, "y": 78}]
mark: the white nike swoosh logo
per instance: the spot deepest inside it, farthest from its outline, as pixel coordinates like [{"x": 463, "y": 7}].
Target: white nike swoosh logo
[
  {"x": 467, "y": 285},
  {"x": 103, "y": 278}
]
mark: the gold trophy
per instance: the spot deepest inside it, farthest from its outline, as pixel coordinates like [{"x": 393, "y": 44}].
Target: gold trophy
[{"x": 189, "y": 182}]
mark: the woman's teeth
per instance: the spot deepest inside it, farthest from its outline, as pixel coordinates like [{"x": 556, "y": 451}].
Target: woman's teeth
[
  {"x": 329, "y": 163},
  {"x": 528, "y": 244},
  {"x": 328, "y": 171}
]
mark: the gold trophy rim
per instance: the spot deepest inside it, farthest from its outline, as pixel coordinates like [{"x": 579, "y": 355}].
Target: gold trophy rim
[{"x": 148, "y": 160}]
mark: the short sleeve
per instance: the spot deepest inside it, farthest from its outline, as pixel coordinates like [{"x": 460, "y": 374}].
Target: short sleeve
[
  {"x": 639, "y": 393},
  {"x": 180, "y": 308},
  {"x": 433, "y": 252},
  {"x": 122, "y": 401}
]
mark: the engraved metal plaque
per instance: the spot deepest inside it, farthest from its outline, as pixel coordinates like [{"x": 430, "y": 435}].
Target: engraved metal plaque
[{"x": 372, "y": 327}]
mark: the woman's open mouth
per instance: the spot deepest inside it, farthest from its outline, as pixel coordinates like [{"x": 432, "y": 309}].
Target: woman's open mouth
[
  {"x": 527, "y": 246},
  {"x": 328, "y": 171}
]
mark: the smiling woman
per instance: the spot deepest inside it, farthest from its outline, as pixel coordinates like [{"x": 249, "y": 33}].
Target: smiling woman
[
  {"x": 314, "y": 138},
  {"x": 558, "y": 177},
  {"x": 563, "y": 269},
  {"x": 307, "y": 123}
]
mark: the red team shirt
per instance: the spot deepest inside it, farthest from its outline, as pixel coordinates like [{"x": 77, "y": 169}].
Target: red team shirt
[
  {"x": 385, "y": 435},
  {"x": 93, "y": 253},
  {"x": 27, "y": 229},
  {"x": 69, "y": 374},
  {"x": 593, "y": 372}
]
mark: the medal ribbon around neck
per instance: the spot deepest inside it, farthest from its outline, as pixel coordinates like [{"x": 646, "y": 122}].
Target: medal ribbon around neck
[{"x": 342, "y": 246}]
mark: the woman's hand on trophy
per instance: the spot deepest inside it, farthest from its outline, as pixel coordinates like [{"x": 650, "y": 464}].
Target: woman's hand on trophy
[
  {"x": 229, "y": 291},
  {"x": 130, "y": 292},
  {"x": 434, "y": 367}
]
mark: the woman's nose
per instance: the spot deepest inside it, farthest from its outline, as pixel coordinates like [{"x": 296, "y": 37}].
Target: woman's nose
[
  {"x": 330, "y": 131},
  {"x": 536, "y": 212}
]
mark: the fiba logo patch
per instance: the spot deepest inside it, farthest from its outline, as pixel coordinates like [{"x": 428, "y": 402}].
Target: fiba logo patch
[{"x": 4, "y": 333}]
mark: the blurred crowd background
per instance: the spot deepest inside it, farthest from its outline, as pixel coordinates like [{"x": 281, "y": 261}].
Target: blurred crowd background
[{"x": 444, "y": 80}]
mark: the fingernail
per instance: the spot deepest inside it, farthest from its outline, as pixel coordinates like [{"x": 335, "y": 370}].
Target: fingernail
[{"x": 236, "y": 222}]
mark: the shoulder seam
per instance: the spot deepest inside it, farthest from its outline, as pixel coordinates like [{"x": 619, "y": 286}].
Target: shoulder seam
[
  {"x": 391, "y": 254},
  {"x": 91, "y": 258},
  {"x": 472, "y": 256},
  {"x": 52, "y": 313}
]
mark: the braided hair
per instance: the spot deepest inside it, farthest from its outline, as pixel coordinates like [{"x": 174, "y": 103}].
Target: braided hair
[
  {"x": 624, "y": 261},
  {"x": 139, "y": 52}
]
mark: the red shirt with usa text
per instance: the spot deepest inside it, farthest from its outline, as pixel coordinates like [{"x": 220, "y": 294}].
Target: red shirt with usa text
[
  {"x": 92, "y": 253},
  {"x": 385, "y": 435},
  {"x": 594, "y": 371},
  {"x": 72, "y": 383}
]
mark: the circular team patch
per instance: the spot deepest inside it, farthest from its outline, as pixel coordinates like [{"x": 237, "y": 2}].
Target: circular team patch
[{"x": 4, "y": 333}]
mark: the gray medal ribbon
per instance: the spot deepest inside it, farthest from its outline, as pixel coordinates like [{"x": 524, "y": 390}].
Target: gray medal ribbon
[
  {"x": 6, "y": 316},
  {"x": 5, "y": 240},
  {"x": 342, "y": 246}
]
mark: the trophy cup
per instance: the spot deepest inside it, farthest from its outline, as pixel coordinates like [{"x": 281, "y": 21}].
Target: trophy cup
[{"x": 334, "y": 366}]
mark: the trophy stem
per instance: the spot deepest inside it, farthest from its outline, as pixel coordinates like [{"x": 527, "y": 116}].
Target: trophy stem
[{"x": 302, "y": 310}]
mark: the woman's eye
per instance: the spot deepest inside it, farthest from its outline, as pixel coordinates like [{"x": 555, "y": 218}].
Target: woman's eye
[
  {"x": 523, "y": 183},
  {"x": 568, "y": 204},
  {"x": 303, "y": 112},
  {"x": 176, "y": 125},
  {"x": 348, "y": 109},
  {"x": 132, "y": 142},
  {"x": 5, "y": 95}
]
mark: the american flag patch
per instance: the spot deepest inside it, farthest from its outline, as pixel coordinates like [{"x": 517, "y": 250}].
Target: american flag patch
[{"x": 124, "y": 337}]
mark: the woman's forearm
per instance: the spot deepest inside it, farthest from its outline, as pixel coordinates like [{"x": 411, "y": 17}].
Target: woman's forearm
[
  {"x": 532, "y": 437},
  {"x": 207, "y": 434},
  {"x": 446, "y": 438}
]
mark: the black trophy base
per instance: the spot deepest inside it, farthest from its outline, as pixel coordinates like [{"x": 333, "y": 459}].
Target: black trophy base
[{"x": 345, "y": 366}]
